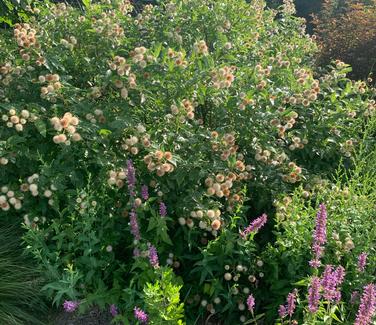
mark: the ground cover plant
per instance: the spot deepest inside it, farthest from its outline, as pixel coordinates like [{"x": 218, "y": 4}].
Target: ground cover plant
[{"x": 142, "y": 152}]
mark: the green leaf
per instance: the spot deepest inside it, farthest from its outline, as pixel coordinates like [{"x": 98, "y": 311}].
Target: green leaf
[
  {"x": 41, "y": 127},
  {"x": 87, "y": 3}
]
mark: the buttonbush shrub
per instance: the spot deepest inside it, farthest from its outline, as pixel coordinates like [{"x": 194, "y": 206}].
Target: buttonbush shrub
[{"x": 130, "y": 142}]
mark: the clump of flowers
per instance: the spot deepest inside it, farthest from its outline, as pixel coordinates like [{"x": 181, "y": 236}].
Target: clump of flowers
[
  {"x": 223, "y": 77},
  {"x": 18, "y": 121},
  {"x": 67, "y": 125},
  {"x": 186, "y": 109},
  {"x": 53, "y": 84},
  {"x": 117, "y": 177},
  {"x": 70, "y": 306},
  {"x": 200, "y": 47},
  {"x": 160, "y": 162},
  {"x": 140, "y": 315}
]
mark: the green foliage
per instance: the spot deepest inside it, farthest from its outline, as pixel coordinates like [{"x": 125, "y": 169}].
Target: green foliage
[
  {"x": 217, "y": 103},
  {"x": 351, "y": 229},
  {"x": 20, "y": 283},
  {"x": 162, "y": 299}
]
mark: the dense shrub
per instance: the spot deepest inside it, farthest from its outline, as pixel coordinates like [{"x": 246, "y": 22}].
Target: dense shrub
[
  {"x": 165, "y": 131},
  {"x": 347, "y": 31}
]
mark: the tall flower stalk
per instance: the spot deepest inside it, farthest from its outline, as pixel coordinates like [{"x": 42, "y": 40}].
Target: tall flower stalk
[{"x": 319, "y": 237}]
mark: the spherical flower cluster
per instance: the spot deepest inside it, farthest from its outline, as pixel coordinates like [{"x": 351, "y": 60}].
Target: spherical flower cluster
[
  {"x": 133, "y": 144},
  {"x": 178, "y": 57},
  {"x": 139, "y": 56},
  {"x": 200, "y": 47},
  {"x": 225, "y": 144},
  {"x": 223, "y": 77},
  {"x": 245, "y": 101},
  {"x": 67, "y": 124},
  {"x": 97, "y": 116},
  {"x": 160, "y": 162},
  {"x": 121, "y": 67},
  {"x": 117, "y": 178},
  {"x": 69, "y": 44},
  {"x": 294, "y": 174},
  {"x": 221, "y": 185},
  {"x": 18, "y": 120},
  {"x": 53, "y": 86},
  {"x": 186, "y": 109},
  {"x": 210, "y": 220},
  {"x": 9, "y": 198},
  {"x": 25, "y": 37},
  {"x": 107, "y": 27}
]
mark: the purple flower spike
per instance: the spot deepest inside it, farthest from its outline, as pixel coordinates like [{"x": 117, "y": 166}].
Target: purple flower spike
[
  {"x": 113, "y": 310},
  {"x": 319, "y": 237},
  {"x": 134, "y": 225},
  {"x": 254, "y": 226},
  {"x": 362, "y": 262},
  {"x": 367, "y": 306},
  {"x": 330, "y": 282},
  {"x": 162, "y": 209},
  {"x": 140, "y": 315},
  {"x": 282, "y": 312},
  {"x": 291, "y": 300},
  {"x": 251, "y": 303},
  {"x": 153, "y": 256},
  {"x": 131, "y": 177},
  {"x": 314, "y": 295},
  {"x": 145, "y": 192},
  {"x": 70, "y": 306}
]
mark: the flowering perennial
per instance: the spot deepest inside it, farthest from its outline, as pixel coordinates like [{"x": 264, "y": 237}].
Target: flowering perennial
[
  {"x": 254, "y": 226},
  {"x": 319, "y": 236},
  {"x": 367, "y": 308},
  {"x": 140, "y": 315}
]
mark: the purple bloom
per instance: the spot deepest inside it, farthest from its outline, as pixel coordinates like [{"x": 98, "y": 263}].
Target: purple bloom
[
  {"x": 153, "y": 256},
  {"x": 362, "y": 261},
  {"x": 255, "y": 225},
  {"x": 251, "y": 303},
  {"x": 314, "y": 295},
  {"x": 291, "y": 299},
  {"x": 70, "y": 306},
  {"x": 134, "y": 225},
  {"x": 145, "y": 192},
  {"x": 162, "y": 209},
  {"x": 140, "y": 315},
  {"x": 113, "y": 310},
  {"x": 282, "y": 311},
  {"x": 367, "y": 306},
  {"x": 330, "y": 282},
  {"x": 319, "y": 236},
  {"x": 131, "y": 177}
]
